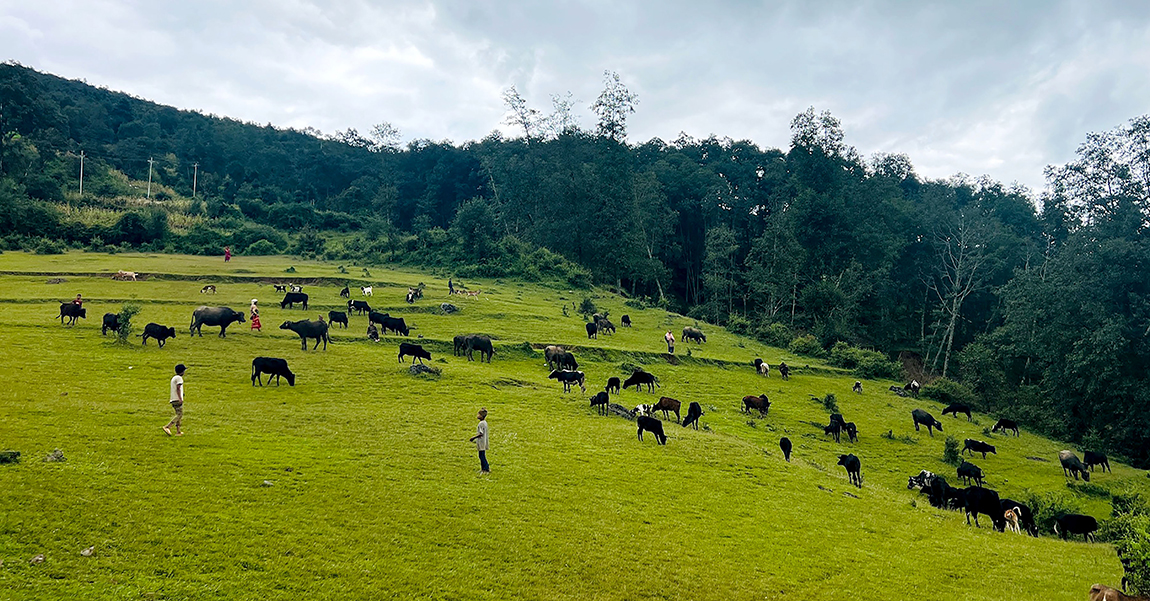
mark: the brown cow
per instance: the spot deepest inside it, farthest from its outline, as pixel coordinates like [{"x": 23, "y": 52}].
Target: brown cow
[
  {"x": 757, "y": 402},
  {"x": 666, "y": 404},
  {"x": 1101, "y": 592}
]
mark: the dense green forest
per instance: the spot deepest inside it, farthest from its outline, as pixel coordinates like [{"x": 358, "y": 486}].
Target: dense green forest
[{"x": 1035, "y": 308}]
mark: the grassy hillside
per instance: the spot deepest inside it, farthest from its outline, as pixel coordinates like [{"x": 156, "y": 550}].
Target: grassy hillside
[{"x": 373, "y": 492}]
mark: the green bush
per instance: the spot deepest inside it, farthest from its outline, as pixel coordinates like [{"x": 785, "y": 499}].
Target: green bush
[
  {"x": 806, "y": 345},
  {"x": 47, "y": 246},
  {"x": 1049, "y": 506},
  {"x": 587, "y": 307},
  {"x": 774, "y": 334},
  {"x": 947, "y": 391},
  {"x": 831, "y": 404},
  {"x": 874, "y": 365},
  {"x": 261, "y": 248},
  {"x": 950, "y": 451},
  {"x": 738, "y": 324},
  {"x": 1129, "y": 531},
  {"x": 124, "y": 333}
]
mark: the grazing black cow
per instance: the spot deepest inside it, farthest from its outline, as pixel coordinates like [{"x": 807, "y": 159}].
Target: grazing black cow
[
  {"x": 759, "y": 403},
  {"x": 272, "y": 367},
  {"x": 1076, "y": 523},
  {"x": 308, "y": 329},
  {"x": 214, "y": 316},
  {"x": 626, "y": 320},
  {"x": 1005, "y": 425},
  {"x": 1071, "y": 465},
  {"x": 977, "y": 446},
  {"x": 613, "y": 384},
  {"x": 833, "y": 430},
  {"x": 111, "y": 322},
  {"x": 395, "y": 324},
  {"x": 852, "y": 431},
  {"x": 666, "y": 404},
  {"x": 157, "y": 331},
  {"x": 653, "y": 426},
  {"x": 567, "y": 361},
  {"x": 838, "y": 418},
  {"x": 415, "y": 351},
  {"x": 1091, "y": 459},
  {"x": 784, "y": 371},
  {"x": 358, "y": 307},
  {"x": 335, "y": 317},
  {"x": 939, "y": 493},
  {"x": 377, "y": 317},
  {"x": 853, "y": 467},
  {"x": 694, "y": 412},
  {"x": 1025, "y": 516},
  {"x": 568, "y": 378},
  {"x": 279, "y": 287},
  {"x": 459, "y": 344},
  {"x": 785, "y": 446},
  {"x": 857, "y": 388},
  {"x": 923, "y": 418},
  {"x": 291, "y": 298},
  {"x": 345, "y": 293},
  {"x": 639, "y": 378},
  {"x": 71, "y": 311},
  {"x": 592, "y": 330},
  {"x": 956, "y": 408},
  {"x": 968, "y": 472},
  {"x": 691, "y": 333},
  {"x": 605, "y": 325},
  {"x": 601, "y": 400},
  {"x": 985, "y": 501},
  {"x": 481, "y": 344}
]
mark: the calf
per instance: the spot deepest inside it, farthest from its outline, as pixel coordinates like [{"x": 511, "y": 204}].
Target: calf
[
  {"x": 345, "y": 293},
  {"x": 416, "y": 351},
  {"x": 761, "y": 367},
  {"x": 209, "y": 288},
  {"x": 857, "y": 388},
  {"x": 1012, "y": 516},
  {"x": 626, "y": 320},
  {"x": 1074, "y": 523},
  {"x": 1071, "y": 465},
  {"x": 968, "y": 472},
  {"x": 922, "y": 480},
  {"x": 272, "y": 367},
  {"x": 852, "y": 431},
  {"x": 295, "y": 288},
  {"x": 592, "y": 330},
  {"x": 291, "y": 298},
  {"x": 1091, "y": 459},
  {"x": 601, "y": 400},
  {"x": 1025, "y": 516},
  {"x": 71, "y": 311},
  {"x": 568, "y": 378},
  {"x": 923, "y": 418},
  {"x": 613, "y": 384},
  {"x": 111, "y": 322},
  {"x": 955, "y": 408},
  {"x": 1005, "y": 425},
  {"x": 279, "y": 287},
  {"x": 157, "y": 331},
  {"x": 985, "y": 501},
  {"x": 977, "y": 446},
  {"x": 639, "y": 379},
  {"x": 784, "y": 371},
  {"x": 759, "y": 403},
  {"x": 642, "y": 409},
  {"x": 785, "y": 447},
  {"x": 913, "y": 387},
  {"x": 853, "y": 467},
  {"x": 666, "y": 404},
  {"x": 365, "y": 290},
  {"x": 694, "y": 412},
  {"x": 653, "y": 426},
  {"x": 335, "y": 317},
  {"x": 358, "y": 306}
]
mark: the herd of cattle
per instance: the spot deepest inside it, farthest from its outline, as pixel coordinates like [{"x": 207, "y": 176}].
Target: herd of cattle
[{"x": 975, "y": 499}]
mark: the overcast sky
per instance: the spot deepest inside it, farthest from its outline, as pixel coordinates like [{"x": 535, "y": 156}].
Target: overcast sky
[{"x": 997, "y": 88}]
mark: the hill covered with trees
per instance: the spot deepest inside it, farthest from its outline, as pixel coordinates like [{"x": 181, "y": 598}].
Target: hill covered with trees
[{"x": 1033, "y": 308}]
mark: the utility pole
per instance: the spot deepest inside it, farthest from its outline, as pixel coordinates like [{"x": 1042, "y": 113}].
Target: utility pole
[
  {"x": 149, "y": 177},
  {"x": 81, "y": 173},
  {"x": 195, "y": 174}
]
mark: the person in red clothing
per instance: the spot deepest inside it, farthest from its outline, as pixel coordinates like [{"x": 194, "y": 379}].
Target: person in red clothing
[
  {"x": 227, "y": 254},
  {"x": 78, "y": 301},
  {"x": 255, "y": 317}
]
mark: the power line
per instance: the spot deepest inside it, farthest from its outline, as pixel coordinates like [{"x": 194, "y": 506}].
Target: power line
[{"x": 149, "y": 177}]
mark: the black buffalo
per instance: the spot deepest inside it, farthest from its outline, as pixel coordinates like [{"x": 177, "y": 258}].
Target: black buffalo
[
  {"x": 111, "y": 322},
  {"x": 358, "y": 307},
  {"x": 71, "y": 311},
  {"x": 956, "y": 408},
  {"x": 985, "y": 501},
  {"x": 1091, "y": 459},
  {"x": 613, "y": 384},
  {"x": 157, "y": 331},
  {"x": 592, "y": 330},
  {"x": 272, "y": 367},
  {"x": 291, "y": 298},
  {"x": 335, "y": 317},
  {"x": 785, "y": 447},
  {"x": 640, "y": 378},
  {"x": 415, "y": 351},
  {"x": 1025, "y": 516},
  {"x": 626, "y": 320},
  {"x": 568, "y": 378},
  {"x": 481, "y": 344},
  {"x": 977, "y": 446},
  {"x": 923, "y": 418},
  {"x": 602, "y": 401},
  {"x": 214, "y": 316},
  {"x": 968, "y": 472},
  {"x": 345, "y": 293},
  {"x": 1006, "y": 425},
  {"x": 1074, "y": 523},
  {"x": 853, "y": 467},
  {"x": 691, "y": 333},
  {"x": 308, "y": 329},
  {"x": 387, "y": 322},
  {"x": 653, "y": 426},
  {"x": 694, "y": 412}
]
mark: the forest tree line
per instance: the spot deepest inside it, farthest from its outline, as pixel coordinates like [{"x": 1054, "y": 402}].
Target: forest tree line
[{"x": 1032, "y": 307}]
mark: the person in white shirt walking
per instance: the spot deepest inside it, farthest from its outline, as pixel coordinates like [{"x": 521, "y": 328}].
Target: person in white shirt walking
[
  {"x": 480, "y": 440},
  {"x": 176, "y": 398}
]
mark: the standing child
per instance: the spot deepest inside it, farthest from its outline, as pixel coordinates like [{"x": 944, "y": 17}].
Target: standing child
[
  {"x": 480, "y": 440},
  {"x": 177, "y": 400},
  {"x": 255, "y": 317},
  {"x": 227, "y": 254},
  {"x": 670, "y": 338}
]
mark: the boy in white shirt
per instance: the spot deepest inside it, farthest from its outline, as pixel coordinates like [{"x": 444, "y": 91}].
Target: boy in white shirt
[
  {"x": 480, "y": 440},
  {"x": 176, "y": 398}
]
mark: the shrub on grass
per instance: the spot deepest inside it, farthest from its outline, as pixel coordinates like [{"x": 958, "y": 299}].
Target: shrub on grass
[
  {"x": 261, "y": 248},
  {"x": 124, "y": 333},
  {"x": 831, "y": 404},
  {"x": 775, "y": 334},
  {"x": 950, "y": 451},
  {"x": 587, "y": 307},
  {"x": 806, "y": 345},
  {"x": 47, "y": 246},
  {"x": 1049, "y": 506},
  {"x": 948, "y": 391}
]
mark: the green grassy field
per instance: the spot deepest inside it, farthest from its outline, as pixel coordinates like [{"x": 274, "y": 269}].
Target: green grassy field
[{"x": 374, "y": 490}]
